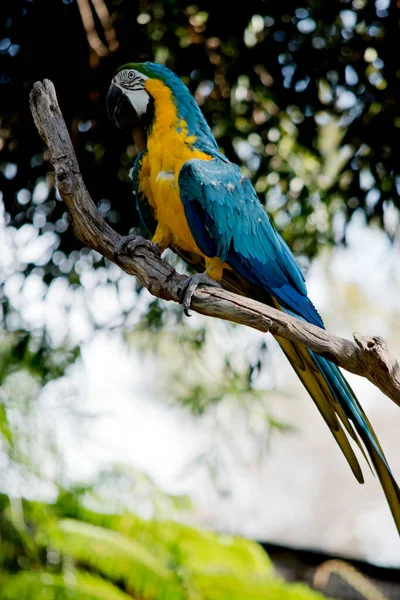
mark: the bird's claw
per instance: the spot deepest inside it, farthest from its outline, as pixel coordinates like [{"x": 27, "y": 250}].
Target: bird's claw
[
  {"x": 129, "y": 243},
  {"x": 191, "y": 286}
]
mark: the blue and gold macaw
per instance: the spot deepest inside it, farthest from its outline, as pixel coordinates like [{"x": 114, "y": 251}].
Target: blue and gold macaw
[{"x": 195, "y": 201}]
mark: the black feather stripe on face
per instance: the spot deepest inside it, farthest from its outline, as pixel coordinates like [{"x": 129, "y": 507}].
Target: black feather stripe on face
[{"x": 130, "y": 79}]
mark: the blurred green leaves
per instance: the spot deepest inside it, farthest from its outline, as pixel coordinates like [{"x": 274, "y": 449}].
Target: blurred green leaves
[
  {"x": 101, "y": 556},
  {"x": 29, "y": 585},
  {"x": 30, "y": 351}
]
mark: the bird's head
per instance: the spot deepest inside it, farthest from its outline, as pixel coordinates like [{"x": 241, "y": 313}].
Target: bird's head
[
  {"x": 141, "y": 92},
  {"x": 128, "y": 102}
]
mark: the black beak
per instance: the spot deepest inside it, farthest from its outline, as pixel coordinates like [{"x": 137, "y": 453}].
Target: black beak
[{"x": 119, "y": 108}]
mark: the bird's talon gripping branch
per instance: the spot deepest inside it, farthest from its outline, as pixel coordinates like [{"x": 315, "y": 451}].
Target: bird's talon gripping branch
[
  {"x": 129, "y": 243},
  {"x": 191, "y": 286}
]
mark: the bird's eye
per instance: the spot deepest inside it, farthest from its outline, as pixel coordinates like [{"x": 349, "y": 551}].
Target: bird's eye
[{"x": 131, "y": 75}]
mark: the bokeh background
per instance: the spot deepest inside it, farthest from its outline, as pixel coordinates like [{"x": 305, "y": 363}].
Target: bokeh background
[{"x": 112, "y": 401}]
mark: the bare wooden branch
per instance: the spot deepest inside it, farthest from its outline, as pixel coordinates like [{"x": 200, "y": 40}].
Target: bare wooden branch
[{"x": 366, "y": 356}]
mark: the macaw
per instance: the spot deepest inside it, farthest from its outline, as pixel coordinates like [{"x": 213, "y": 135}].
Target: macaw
[{"x": 193, "y": 200}]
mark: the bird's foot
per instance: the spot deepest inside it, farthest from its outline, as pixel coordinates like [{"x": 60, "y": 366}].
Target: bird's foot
[
  {"x": 129, "y": 243},
  {"x": 191, "y": 286}
]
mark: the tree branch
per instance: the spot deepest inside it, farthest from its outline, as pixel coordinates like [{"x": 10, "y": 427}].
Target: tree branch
[{"x": 366, "y": 356}]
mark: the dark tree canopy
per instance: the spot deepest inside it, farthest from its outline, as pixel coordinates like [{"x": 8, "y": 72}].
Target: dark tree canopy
[{"x": 269, "y": 78}]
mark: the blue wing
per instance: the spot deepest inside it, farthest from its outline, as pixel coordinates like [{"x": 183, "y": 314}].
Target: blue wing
[{"x": 227, "y": 220}]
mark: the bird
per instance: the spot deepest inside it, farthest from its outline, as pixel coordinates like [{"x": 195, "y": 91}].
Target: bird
[{"x": 195, "y": 201}]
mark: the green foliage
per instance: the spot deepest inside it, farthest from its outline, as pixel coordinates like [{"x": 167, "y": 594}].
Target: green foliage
[
  {"x": 74, "y": 585},
  {"x": 115, "y": 557},
  {"x": 229, "y": 587},
  {"x": 28, "y": 350},
  {"x": 97, "y": 556}
]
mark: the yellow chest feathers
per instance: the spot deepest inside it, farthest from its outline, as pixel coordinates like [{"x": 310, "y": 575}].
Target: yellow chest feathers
[{"x": 168, "y": 147}]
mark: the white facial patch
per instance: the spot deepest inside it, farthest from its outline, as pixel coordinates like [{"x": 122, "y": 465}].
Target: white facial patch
[{"x": 139, "y": 100}]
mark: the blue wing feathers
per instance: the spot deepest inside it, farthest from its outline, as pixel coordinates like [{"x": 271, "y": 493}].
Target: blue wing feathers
[
  {"x": 197, "y": 216},
  {"x": 243, "y": 233}
]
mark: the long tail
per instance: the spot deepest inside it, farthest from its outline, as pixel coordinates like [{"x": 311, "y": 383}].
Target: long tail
[{"x": 344, "y": 415}]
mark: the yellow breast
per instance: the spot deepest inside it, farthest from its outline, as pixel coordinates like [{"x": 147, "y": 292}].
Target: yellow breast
[{"x": 169, "y": 147}]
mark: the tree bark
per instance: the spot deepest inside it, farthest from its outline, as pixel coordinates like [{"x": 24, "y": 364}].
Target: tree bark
[{"x": 365, "y": 356}]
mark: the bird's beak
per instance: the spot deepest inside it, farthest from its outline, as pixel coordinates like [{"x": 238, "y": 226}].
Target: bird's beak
[{"x": 119, "y": 107}]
